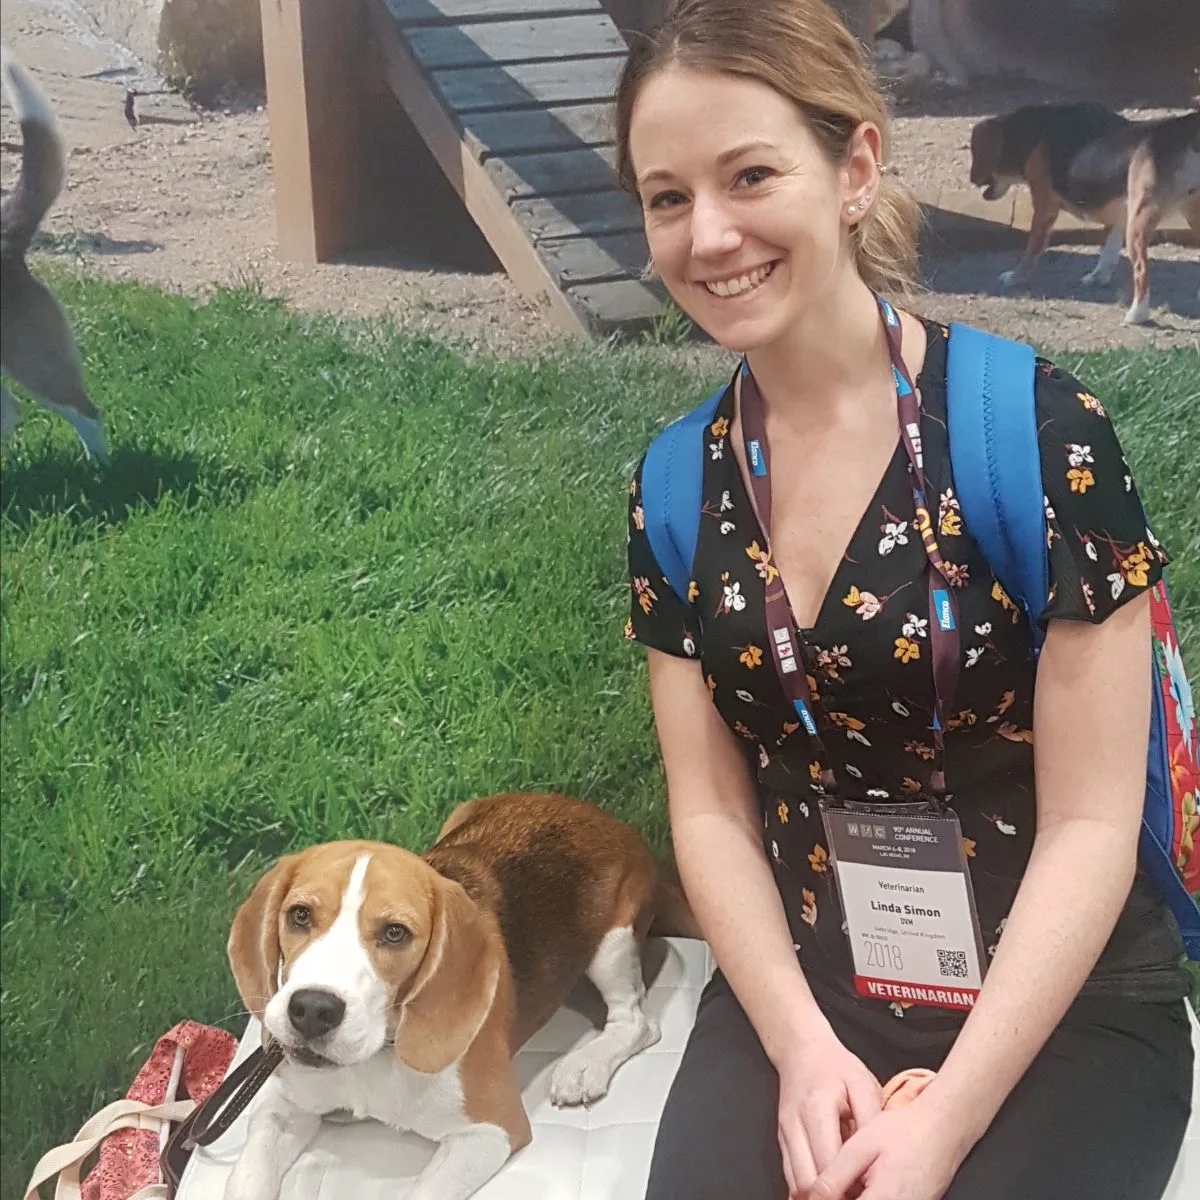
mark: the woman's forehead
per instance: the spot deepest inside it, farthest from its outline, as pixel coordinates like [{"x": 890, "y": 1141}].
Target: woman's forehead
[{"x": 682, "y": 113}]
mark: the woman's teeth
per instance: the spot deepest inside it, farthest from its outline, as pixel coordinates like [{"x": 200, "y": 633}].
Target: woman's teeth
[{"x": 744, "y": 283}]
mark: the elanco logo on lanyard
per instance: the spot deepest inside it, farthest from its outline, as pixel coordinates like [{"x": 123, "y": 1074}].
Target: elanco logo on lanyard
[{"x": 901, "y": 870}]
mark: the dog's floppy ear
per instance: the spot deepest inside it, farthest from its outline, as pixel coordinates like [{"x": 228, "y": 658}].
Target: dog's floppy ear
[
  {"x": 455, "y": 986},
  {"x": 987, "y": 146},
  {"x": 254, "y": 939}
]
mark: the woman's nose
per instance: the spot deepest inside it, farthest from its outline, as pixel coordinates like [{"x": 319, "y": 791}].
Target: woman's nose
[{"x": 714, "y": 231}]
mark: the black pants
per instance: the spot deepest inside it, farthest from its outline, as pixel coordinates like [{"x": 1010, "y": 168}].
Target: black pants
[{"x": 1100, "y": 1114}]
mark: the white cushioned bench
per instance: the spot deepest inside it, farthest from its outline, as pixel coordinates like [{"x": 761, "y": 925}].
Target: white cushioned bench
[{"x": 601, "y": 1153}]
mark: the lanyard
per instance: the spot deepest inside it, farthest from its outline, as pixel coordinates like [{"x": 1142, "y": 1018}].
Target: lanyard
[{"x": 785, "y": 639}]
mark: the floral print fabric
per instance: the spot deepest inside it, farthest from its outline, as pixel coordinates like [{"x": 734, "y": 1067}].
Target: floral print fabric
[{"x": 867, "y": 656}]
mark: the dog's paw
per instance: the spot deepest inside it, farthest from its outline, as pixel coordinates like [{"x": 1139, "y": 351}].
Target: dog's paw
[
  {"x": 581, "y": 1078},
  {"x": 1009, "y": 279},
  {"x": 1097, "y": 277},
  {"x": 1138, "y": 314},
  {"x": 584, "y": 1075}
]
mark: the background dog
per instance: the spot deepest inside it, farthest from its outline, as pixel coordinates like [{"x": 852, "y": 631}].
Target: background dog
[
  {"x": 36, "y": 345},
  {"x": 1093, "y": 162},
  {"x": 401, "y": 987}
]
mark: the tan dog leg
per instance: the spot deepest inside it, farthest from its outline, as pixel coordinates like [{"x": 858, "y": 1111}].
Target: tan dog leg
[
  {"x": 1106, "y": 261},
  {"x": 584, "y": 1075},
  {"x": 1145, "y": 211},
  {"x": 1046, "y": 207},
  {"x": 40, "y": 354}
]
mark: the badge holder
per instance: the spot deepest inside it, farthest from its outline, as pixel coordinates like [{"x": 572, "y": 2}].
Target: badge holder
[{"x": 907, "y": 901}]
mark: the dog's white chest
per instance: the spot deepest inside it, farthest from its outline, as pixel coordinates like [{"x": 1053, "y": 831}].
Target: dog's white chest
[{"x": 383, "y": 1089}]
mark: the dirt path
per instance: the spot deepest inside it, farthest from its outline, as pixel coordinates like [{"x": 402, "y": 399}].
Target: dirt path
[{"x": 185, "y": 201}]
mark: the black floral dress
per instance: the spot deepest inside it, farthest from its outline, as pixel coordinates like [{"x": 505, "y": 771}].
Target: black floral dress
[{"x": 868, "y": 657}]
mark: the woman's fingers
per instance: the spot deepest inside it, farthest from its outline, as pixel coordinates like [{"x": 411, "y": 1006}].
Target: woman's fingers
[
  {"x": 865, "y": 1096},
  {"x": 799, "y": 1165},
  {"x": 823, "y": 1125}
]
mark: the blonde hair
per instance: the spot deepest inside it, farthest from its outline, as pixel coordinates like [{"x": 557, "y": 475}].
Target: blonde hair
[{"x": 800, "y": 49}]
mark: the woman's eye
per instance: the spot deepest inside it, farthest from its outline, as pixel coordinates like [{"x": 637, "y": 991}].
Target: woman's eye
[
  {"x": 665, "y": 200},
  {"x": 753, "y": 175}
]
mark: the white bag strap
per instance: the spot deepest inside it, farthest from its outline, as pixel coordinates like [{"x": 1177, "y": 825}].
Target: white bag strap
[{"x": 64, "y": 1162}]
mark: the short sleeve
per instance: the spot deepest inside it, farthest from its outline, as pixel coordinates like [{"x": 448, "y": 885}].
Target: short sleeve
[
  {"x": 658, "y": 617},
  {"x": 1102, "y": 552}
]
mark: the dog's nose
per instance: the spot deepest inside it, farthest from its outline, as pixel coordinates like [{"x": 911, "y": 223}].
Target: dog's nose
[{"x": 314, "y": 1011}]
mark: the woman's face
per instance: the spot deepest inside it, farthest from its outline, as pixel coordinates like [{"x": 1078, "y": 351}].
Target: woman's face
[{"x": 745, "y": 215}]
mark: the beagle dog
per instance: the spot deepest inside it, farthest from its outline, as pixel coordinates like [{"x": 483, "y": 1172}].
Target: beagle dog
[
  {"x": 1125, "y": 175},
  {"x": 400, "y": 987},
  {"x": 37, "y": 348}
]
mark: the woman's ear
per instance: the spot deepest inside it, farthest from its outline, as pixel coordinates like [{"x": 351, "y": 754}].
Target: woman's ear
[
  {"x": 862, "y": 168},
  {"x": 455, "y": 986},
  {"x": 254, "y": 953}
]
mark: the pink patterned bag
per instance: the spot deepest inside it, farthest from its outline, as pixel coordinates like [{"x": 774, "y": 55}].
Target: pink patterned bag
[{"x": 183, "y": 1070}]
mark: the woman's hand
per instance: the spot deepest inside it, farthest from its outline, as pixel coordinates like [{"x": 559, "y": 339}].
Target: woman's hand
[
  {"x": 906, "y": 1153},
  {"x": 825, "y": 1093}
]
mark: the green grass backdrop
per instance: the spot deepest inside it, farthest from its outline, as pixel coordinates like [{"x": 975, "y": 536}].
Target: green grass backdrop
[{"x": 334, "y": 581}]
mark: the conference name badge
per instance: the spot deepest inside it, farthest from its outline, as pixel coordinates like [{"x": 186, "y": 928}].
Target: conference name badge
[{"x": 908, "y": 905}]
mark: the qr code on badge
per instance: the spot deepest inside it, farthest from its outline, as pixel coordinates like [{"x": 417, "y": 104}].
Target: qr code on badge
[{"x": 952, "y": 964}]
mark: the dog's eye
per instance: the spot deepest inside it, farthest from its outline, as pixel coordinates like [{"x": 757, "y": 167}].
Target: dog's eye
[
  {"x": 299, "y": 916},
  {"x": 396, "y": 934}
]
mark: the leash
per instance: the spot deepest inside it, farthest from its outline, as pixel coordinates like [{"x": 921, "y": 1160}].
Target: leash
[{"x": 214, "y": 1117}]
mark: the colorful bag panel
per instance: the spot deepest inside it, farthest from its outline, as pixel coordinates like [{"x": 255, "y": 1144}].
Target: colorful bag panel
[{"x": 1180, "y": 735}]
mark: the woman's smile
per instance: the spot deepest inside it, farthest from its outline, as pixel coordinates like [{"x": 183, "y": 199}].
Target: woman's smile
[{"x": 732, "y": 287}]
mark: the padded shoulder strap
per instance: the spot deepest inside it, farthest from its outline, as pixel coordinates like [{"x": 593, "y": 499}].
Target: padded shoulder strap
[
  {"x": 671, "y": 480},
  {"x": 996, "y": 462}
]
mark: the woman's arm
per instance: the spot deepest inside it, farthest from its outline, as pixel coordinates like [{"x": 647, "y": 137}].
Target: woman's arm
[
  {"x": 717, "y": 831},
  {"x": 716, "y": 828},
  {"x": 1091, "y": 725}
]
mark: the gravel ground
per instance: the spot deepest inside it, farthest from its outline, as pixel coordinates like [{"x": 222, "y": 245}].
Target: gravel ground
[{"x": 185, "y": 201}]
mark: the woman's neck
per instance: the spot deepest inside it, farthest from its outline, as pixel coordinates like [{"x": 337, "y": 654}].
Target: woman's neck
[{"x": 833, "y": 359}]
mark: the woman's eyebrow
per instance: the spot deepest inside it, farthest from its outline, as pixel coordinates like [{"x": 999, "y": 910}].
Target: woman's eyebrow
[
  {"x": 741, "y": 148},
  {"x": 726, "y": 156}
]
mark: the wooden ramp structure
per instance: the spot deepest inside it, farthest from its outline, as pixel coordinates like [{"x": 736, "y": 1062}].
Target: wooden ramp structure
[{"x": 512, "y": 99}]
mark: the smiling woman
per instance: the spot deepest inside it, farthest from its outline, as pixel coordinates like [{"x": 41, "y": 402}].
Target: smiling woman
[
  {"x": 790, "y": 150},
  {"x": 844, "y": 691}
]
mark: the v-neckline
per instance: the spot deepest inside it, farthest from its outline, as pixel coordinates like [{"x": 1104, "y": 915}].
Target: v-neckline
[{"x": 728, "y": 409}]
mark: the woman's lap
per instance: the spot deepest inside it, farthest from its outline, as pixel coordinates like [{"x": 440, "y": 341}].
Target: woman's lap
[
  {"x": 1100, "y": 1113},
  {"x": 716, "y": 1137}
]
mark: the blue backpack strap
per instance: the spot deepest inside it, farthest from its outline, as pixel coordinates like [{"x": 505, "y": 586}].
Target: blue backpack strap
[
  {"x": 671, "y": 478},
  {"x": 996, "y": 462}
]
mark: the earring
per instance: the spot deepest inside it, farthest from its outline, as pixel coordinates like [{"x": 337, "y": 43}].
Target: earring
[
  {"x": 862, "y": 205},
  {"x": 852, "y": 208}
]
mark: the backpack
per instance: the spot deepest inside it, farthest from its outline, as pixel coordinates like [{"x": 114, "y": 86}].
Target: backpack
[{"x": 997, "y": 473}]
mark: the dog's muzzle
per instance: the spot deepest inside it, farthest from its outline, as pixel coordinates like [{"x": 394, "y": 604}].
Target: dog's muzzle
[{"x": 313, "y": 1013}]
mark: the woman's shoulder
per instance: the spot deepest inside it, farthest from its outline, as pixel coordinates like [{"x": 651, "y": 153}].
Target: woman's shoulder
[
  {"x": 1054, "y": 387},
  {"x": 711, "y": 415}
]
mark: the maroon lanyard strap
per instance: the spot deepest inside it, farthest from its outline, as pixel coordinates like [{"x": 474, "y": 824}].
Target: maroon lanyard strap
[{"x": 786, "y": 642}]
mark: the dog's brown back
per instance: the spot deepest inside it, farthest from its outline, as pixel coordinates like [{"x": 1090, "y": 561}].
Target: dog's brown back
[{"x": 559, "y": 874}]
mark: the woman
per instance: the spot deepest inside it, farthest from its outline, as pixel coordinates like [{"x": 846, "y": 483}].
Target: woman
[{"x": 752, "y": 135}]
